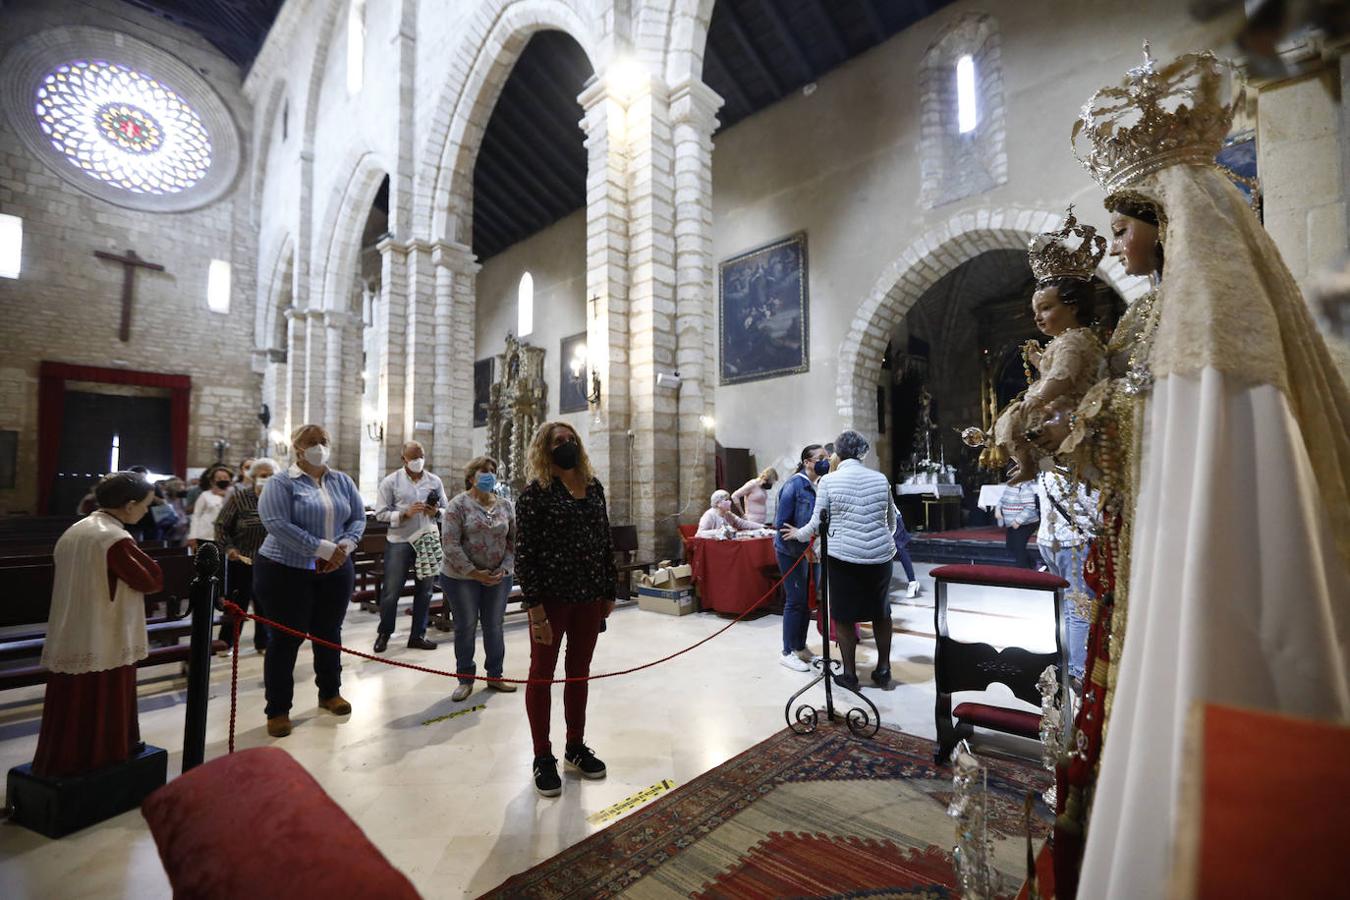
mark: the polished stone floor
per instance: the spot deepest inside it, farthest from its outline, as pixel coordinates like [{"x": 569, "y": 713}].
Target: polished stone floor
[{"x": 451, "y": 802}]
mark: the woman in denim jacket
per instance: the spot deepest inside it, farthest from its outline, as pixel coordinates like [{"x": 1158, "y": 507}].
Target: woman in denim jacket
[{"x": 796, "y": 503}]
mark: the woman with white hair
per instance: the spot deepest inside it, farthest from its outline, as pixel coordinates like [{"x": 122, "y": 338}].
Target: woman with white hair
[
  {"x": 861, "y": 549},
  {"x": 719, "y": 522}
]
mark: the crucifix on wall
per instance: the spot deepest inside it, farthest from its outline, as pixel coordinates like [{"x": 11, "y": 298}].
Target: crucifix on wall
[{"x": 130, "y": 263}]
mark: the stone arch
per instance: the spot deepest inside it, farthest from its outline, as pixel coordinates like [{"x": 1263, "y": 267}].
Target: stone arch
[
  {"x": 671, "y": 36},
  {"x": 275, "y": 97},
  {"x": 278, "y": 283},
  {"x": 492, "y": 43},
  {"x": 920, "y": 266},
  {"x": 344, "y": 217}
]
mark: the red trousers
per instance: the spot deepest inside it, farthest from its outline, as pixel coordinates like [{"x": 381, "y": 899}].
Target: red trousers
[
  {"x": 88, "y": 722},
  {"x": 580, "y": 624}
]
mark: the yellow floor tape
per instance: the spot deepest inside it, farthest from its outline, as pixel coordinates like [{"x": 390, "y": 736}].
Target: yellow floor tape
[
  {"x": 623, "y": 806},
  {"x": 458, "y": 712}
]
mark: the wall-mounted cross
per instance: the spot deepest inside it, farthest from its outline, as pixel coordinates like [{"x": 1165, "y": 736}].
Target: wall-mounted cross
[
  {"x": 130, "y": 263},
  {"x": 595, "y": 299}
]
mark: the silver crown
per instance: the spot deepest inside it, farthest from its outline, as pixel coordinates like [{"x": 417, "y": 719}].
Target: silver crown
[{"x": 1055, "y": 254}]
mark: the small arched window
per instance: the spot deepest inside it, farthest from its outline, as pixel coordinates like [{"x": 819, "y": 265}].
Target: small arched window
[
  {"x": 961, "y": 140},
  {"x": 356, "y": 45},
  {"x": 525, "y": 306}
]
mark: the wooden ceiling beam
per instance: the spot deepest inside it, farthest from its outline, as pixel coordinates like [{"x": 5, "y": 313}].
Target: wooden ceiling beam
[
  {"x": 529, "y": 209},
  {"x": 874, "y": 22},
  {"x": 525, "y": 127},
  {"x": 737, "y": 95},
  {"x": 750, "y": 50},
  {"x": 545, "y": 196},
  {"x": 836, "y": 40},
  {"x": 788, "y": 39}
]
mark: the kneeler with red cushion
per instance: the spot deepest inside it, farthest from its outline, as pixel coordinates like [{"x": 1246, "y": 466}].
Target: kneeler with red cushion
[
  {"x": 256, "y": 824},
  {"x": 960, "y": 666}
]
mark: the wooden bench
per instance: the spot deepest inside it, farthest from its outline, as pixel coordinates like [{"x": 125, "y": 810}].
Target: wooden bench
[{"x": 962, "y": 666}]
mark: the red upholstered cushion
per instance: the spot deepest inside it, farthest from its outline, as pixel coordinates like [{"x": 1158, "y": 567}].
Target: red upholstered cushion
[
  {"x": 255, "y": 824},
  {"x": 1000, "y": 718},
  {"x": 1000, "y": 576}
]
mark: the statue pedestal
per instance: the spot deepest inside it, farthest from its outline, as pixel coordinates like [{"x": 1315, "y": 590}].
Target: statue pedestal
[{"x": 56, "y": 807}]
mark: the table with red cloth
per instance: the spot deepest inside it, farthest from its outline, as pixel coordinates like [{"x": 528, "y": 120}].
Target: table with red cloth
[{"x": 732, "y": 575}]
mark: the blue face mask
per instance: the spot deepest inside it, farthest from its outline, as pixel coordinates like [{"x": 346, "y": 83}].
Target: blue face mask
[
  {"x": 822, "y": 467},
  {"x": 485, "y": 482}
]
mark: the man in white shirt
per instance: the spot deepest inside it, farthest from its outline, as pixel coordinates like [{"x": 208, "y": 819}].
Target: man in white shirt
[
  {"x": 410, "y": 500},
  {"x": 1069, "y": 520}
]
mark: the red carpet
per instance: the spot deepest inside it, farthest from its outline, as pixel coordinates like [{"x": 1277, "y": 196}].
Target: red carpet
[{"x": 823, "y": 815}]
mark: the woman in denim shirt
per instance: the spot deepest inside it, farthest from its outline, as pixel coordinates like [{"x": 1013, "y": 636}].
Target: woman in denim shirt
[
  {"x": 796, "y": 503},
  {"x": 303, "y": 575}
]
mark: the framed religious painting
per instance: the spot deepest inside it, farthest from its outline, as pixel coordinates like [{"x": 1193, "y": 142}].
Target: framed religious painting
[
  {"x": 572, "y": 374},
  {"x": 482, "y": 391},
  {"x": 1237, "y": 160},
  {"x": 763, "y": 312}
]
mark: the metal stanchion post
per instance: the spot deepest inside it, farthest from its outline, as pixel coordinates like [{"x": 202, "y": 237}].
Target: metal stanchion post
[{"x": 203, "y": 592}]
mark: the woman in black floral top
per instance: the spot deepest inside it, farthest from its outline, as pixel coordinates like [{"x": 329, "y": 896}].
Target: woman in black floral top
[{"x": 565, "y": 567}]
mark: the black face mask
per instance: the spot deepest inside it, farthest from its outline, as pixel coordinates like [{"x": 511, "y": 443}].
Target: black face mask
[
  {"x": 766, "y": 484},
  {"x": 822, "y": 467},
  {"x": 566, "y": 456},
  {"x": 222, "y": 484}
]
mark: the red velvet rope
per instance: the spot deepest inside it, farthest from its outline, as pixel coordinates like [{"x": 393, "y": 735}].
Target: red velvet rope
[{"x": 240, "y": 615}]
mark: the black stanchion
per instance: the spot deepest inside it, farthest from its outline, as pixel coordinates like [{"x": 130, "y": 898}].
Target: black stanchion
[
  {"x": 803, "y": 719},
  {"x": 204, "y": 592}
]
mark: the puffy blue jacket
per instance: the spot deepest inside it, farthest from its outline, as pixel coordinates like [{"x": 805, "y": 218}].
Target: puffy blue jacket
[{"x": 796, "y": 503}]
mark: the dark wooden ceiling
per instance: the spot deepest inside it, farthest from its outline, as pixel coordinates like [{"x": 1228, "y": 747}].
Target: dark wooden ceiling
[
  {"x": 531, "y": 170},
  {"x": 235, "y": 27}
]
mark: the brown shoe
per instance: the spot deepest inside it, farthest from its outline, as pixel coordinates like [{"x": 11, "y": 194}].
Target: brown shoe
[
  {"x": 336, "y": 705},
  {"x": 505, "y": 687},
  {"x": 278, "y": 726}
]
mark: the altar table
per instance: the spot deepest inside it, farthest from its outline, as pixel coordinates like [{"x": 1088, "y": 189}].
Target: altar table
[{"x": 732, "y": 575}]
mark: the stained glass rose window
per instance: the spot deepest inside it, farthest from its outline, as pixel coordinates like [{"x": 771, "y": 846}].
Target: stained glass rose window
[{"x": 122, "y": 127}]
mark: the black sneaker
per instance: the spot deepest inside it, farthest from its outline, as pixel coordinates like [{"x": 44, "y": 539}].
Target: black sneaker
[
  {"x": 582, "y": 758},
  {"x": 881, "y": 677},
  {"x": 546, "y": 780}
]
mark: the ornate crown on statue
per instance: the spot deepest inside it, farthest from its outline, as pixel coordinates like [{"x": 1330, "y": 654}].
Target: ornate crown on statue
[
  {"x": 1071, "y": 251},
  {"x": 1157, "y": 117}
]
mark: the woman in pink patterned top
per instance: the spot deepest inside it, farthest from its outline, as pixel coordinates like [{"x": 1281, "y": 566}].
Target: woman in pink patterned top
[{"x": 479, "y": 539}]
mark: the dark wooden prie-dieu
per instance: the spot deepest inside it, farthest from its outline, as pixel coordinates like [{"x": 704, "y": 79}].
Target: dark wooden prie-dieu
[{"x": 961, "y": 666}]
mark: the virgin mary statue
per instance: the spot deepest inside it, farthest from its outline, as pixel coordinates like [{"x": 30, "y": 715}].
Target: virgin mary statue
[{"x": 1236, "y": 510}]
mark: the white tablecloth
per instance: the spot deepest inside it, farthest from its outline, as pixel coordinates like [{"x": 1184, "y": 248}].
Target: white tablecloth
[
  {"x": 990, "y": 495},
  {"x": 932, "y": 490}
]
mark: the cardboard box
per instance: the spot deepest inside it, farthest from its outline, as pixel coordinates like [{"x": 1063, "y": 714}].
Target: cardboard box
[
  {"x": 677, "y": 602},
  {"x": 672, "y": 577}
]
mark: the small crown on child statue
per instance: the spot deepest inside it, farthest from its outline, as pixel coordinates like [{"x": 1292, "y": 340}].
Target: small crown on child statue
[
  {"x": 1055, "y": 254},
  {"x": 1155, "y": 118}
]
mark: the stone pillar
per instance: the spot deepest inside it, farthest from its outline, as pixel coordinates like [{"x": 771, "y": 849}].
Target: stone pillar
[
  {"x": 415, "y": 348},
  {"x": 395, "y": 363},
  {"x": 455, "y": 314},
  {"x": 342, "y": 388},
  {"x": 607, "y": 291},
  {"x": 656, "y": 466},
  {"x": 296, "y": 356},
  {"x": 693, "y": 112}
]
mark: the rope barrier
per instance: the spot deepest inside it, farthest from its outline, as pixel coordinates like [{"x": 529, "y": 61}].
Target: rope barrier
[{"x": 239, "y": 615}]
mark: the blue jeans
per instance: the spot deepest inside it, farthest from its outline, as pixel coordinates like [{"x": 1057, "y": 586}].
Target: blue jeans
[
  {"x": 398, "y": 560},
  {"x": 474, "y": 603},
  {"x": 1067, "y": 563},
  {"x": 902, "y": 555},
  {"x": 796, "y": 614}
]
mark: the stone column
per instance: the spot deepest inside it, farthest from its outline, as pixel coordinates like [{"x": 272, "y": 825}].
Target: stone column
[
  {"x": 455, "y": 315},
  {"x": 415, "y": 347},
  {"x": 395, "y": 363},
  {"x": 342, "y": 388},
  {"x": 296, "y": 364},
  {"x": 607, "y": 290},
  {"x": 651, "y": 317},
  {"x": 693, "y": 111}
]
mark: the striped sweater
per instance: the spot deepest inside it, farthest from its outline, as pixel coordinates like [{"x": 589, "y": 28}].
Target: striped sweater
[{"x": 862, "y": 515}]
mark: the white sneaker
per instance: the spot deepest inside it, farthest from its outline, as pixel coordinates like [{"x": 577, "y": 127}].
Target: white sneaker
[
  {"x": 914, "y": 589},
  {"x": 794, "y": 662}
]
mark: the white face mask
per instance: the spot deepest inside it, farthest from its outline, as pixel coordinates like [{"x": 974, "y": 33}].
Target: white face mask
[
  {"x": 415, "y": 465},
  {"x": 317, "y": 455},
  {"x": 259, "y": 482}
]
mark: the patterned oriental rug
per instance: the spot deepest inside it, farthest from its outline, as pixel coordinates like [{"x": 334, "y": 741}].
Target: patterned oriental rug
[{"x": 819, "y": 815}]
